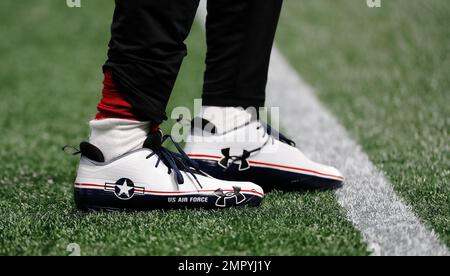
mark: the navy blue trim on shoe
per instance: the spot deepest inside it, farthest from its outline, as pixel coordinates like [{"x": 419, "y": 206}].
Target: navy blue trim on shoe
[{"x": 269, "y": 178}]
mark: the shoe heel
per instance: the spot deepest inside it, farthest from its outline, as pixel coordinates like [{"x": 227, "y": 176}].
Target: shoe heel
[{"x": 84, "y": 201}]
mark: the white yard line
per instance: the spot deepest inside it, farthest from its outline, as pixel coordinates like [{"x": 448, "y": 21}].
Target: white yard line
[{"x": 387, "y": 223}]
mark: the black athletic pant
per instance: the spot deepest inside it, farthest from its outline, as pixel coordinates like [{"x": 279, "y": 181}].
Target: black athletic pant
[{"x": 147, "y": 48}]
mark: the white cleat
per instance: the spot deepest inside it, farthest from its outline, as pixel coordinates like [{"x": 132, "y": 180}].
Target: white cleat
[
  {"x": 154, "y": 177},
  {"x": 256, "y": 153}
]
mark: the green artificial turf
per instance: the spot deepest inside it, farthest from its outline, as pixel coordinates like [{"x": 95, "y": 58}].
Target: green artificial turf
[
  {"x": 385, "y": 73},
  {"x": 50, "y": 82}
]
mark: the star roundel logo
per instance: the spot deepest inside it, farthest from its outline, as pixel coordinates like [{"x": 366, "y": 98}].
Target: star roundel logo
[{"x": 124, "y": 189}]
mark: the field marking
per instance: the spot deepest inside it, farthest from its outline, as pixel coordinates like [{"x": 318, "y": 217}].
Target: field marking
[{"x": 389, "y": 225}]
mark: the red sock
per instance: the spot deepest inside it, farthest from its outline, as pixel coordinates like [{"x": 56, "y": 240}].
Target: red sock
[{"x": 113, "y": 105}]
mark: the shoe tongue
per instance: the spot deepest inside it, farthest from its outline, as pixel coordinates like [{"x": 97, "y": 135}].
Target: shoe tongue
[{"x": 153, "y": 141}]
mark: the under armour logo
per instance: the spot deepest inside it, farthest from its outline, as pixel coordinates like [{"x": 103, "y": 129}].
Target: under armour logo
[
  {"x": 223, "y": 198},
  {"x": 225, "y": 161}
]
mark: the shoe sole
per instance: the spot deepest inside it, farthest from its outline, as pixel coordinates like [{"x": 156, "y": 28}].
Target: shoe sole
[
  {"x": 101, "y": 200},
  {"x": 270, "y": 178}
]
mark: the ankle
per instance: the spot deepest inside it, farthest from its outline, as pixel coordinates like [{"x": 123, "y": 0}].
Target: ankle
[
  {"x": 116, "y": 129},
  {"x": 113, "y": 104},
  {"x": 116, "y": 137},
  {"x": 226, "y": 119}
]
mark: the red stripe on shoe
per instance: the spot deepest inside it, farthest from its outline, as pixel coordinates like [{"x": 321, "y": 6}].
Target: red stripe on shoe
[
  {"x": 81, "y": 185},
  {"x": 271, "y": 165}
]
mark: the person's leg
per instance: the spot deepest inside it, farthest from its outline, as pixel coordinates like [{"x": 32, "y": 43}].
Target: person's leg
[
  {"x": 146, "y": 51},
  {"x": 240, "y": 35},
  {"x": 145, "y": 54},
  {"x": 124, "y": 164}
]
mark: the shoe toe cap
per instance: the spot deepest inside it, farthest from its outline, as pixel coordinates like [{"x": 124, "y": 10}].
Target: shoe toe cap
[
  {"x": 250, "y": 187},
  {"x": 336, "y": 173}
]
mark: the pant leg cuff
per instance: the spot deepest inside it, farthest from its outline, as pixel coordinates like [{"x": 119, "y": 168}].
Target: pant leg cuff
[{"x": 224, "y": 101}]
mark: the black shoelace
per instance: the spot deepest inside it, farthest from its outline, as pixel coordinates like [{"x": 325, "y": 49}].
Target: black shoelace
[
  {"x": 276, "y": 134},
  {"x": 175, "y": 162}
]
